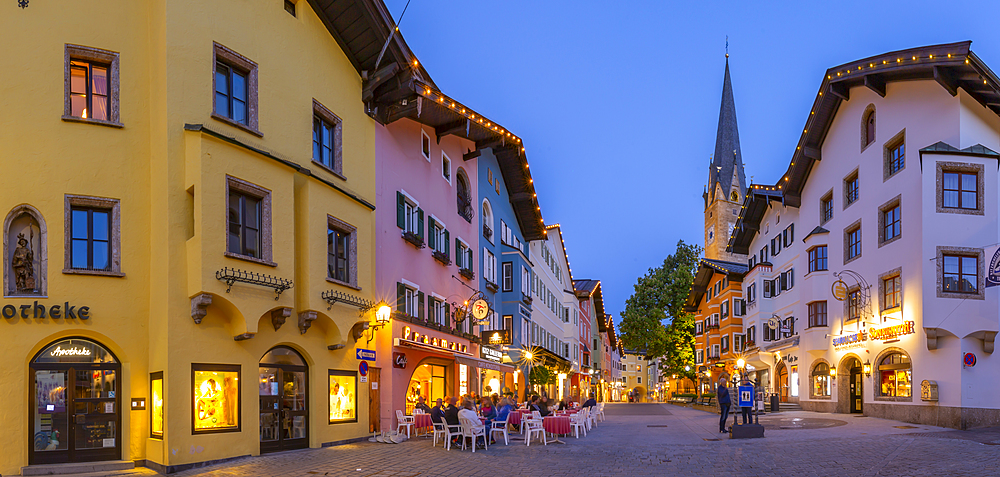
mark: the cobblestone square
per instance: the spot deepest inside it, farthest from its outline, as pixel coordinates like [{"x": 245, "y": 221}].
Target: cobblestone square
[{"x": 663, "y": 439}]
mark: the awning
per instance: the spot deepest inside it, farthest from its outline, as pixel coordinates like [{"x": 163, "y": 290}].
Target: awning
[
  {"x": 553, "y": 360},
  {"x": 429, "y": 348},
  {"x": 484, "y": 364}
]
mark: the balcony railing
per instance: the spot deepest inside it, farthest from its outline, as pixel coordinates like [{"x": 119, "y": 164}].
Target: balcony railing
[{"x": 487, "y": 232}]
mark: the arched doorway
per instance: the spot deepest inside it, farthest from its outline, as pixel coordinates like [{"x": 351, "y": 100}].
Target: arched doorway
[
  {"x": 430, "y": 380},
  {"x": 783, "y": 382},
  {"x": 75, "y": 410},
  {"x": 284, "y": 412},
  {"x": 851, "y": 369}
]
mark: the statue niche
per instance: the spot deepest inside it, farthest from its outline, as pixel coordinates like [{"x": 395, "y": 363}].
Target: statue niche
[{"x": 24, "y": 242}]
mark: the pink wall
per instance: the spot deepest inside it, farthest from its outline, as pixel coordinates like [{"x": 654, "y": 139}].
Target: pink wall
[{"x": 402, "y": 166}]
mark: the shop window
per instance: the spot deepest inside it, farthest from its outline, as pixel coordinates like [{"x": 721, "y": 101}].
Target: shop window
[
  {"x": 343, "y": 396},
  {"x": 895, "y": 376},
  {"x": 821, "y": 380},
  {"x": 235, "y": 86},
  {"x": 216, "y": 390},
  {"x": 327, "y": 135},
  {"x": 342, "y": 252},
  {"x": 249, "y": 221},
  {"x": 93, "y": 242},
  {"x": 91, "y": 86},
  {"x": 156, "y": 405}
]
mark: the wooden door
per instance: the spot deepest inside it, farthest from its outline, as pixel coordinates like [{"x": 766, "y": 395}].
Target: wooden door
[
  {"x": 374, "y": 398},
  {"x": 783, "y": 384},
  {"x": 856, "y": 390}
]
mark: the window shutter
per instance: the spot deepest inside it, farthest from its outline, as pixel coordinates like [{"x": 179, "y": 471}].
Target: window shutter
[
  {"x": 784, "y": 237},
  {"x": 420, "y": 222},
  {"x": 459, "y": 255},
  {"x": 400, "y": 297},
  {"x": 743, "y": 307},
  {"x": 447, "y": 244},
  {"x": 447, "y": 314},
  {"x": 791, "y": 325},
  {"x": 420, "y": 305},
  {"x": 431, "y": 233},
  {"x": 783, "y": 281},
  {"x": 470, "y": 260},
  {"x": 791, "y": 278},
  {"x": 773, "y": 252},
  {"x": 400, "y": 210},
  {"x": 791, "y": 233}
]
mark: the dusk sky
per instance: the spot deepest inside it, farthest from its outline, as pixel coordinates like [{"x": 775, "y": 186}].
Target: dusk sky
[{"x": 618, "y": 102}]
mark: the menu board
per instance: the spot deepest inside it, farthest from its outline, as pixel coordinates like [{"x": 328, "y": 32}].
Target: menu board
[
  {"x": 343, "y": 397},
  {"x": 216, "y": 398}
]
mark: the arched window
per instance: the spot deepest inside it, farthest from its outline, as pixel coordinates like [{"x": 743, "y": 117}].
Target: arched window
[
  {"x": 821, "y": 380},
  {"x": 464, "y": 197},
  {"x": 868, "y": 126},
  {"x": 895, "y": 376},
  {"x": 487, "y": 220}
]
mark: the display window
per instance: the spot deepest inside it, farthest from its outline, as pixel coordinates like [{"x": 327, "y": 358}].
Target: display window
[
  {"x": 429, "y": 381},
  {"x": 895, "y": 376},
  {"x": 343, "y": 396},
  {"x": 821, "y": 380},
  {"x": 156, "y": 405},
  {"x": 216, "y": 390}
]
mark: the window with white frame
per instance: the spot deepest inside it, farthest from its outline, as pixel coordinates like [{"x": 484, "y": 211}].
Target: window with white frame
[
  {"x": 715, "y": 351},
  {"x": 439, "y": 236},
  {"x": 409, "y": 216},
  {"x": 463, "y": 255},
  {"x": 738, "y": 343},
  {"x": 425, "y": 145},
  {"x": 525, "y": 280},
  {"x": 489, "y": 266},
  {"x": 437, "y": 309},
  {"x": 508, "y": 276},
  {"x": 445, "y": 167}
]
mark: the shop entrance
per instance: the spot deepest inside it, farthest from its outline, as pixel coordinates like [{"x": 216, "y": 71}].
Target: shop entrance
[
  {"x": 428, "y": 380},
  {"x": 855, "y": 390},
  {"x": 783, "y": 383},
  {"x": 75, "y": 404},
  {"x": 284, "y": 414}
]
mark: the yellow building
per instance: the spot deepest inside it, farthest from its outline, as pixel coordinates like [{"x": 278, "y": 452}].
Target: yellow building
[{"x": 186, "y": 180}]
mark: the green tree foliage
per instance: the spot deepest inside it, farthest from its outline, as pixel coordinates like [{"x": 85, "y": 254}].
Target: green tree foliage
[
  {"x": 542, "y": 376},
  {"x": 654, "y": 319}
]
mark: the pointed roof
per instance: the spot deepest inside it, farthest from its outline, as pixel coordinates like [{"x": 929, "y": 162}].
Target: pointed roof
[{"x": 727, "y": 140}]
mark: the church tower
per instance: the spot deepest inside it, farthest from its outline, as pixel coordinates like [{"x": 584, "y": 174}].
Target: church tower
[{"x": 726, "y": 180}]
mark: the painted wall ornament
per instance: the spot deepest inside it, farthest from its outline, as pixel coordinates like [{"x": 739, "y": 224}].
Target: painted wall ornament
[{"x": 23, "y": 264}]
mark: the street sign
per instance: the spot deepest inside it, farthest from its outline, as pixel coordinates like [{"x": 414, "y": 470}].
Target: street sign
[
  {"x": 365, "y": 354},
  {"x": 363, "y": 368},
  {"x": 969, "y": 360},
  {"x": 364, "y": 379},
  {"x": 746, "y": 396}
]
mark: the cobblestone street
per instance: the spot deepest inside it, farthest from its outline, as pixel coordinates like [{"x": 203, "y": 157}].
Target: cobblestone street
[{"x": 655, "y": 439}]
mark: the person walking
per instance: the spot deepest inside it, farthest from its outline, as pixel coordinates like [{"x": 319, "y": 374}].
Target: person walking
[{"x": 724, "y": 401}]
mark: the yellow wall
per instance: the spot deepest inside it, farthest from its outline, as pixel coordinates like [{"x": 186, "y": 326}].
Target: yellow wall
[{"x": 172, "y": 241}]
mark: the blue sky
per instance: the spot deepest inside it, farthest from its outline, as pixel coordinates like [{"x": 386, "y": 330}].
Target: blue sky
[{"x": 618, "y": 102}]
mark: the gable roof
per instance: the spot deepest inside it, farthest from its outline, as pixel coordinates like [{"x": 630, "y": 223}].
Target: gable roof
[
  {"x": 569, "y": 269},
  {"x": 707, "y": 268},
  {"x": 755, "y": 205}
]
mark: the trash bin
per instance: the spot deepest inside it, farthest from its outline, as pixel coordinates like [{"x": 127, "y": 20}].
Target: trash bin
[{"x": 774, "y": 403}]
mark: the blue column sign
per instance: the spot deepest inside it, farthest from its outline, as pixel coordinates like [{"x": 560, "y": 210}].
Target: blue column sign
[{"x": 745, "y": 396}]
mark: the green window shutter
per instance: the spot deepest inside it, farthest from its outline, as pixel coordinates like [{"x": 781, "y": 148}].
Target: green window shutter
[
  {"x": 447, "y": 314},
  {"x": 420, "y": 305},
  {"x": 400, "y": 210},
  {"x": 447, "y": 244},
  {"x": 469, "y": 261},
  {"x": 431, "y": 239},
  {"x": 457, "y": 258},
  {"x": 420, "y": 222},
  {"x": 400, "y": 297}
]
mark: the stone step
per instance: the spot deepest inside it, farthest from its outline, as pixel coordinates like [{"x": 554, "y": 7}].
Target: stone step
[{"x": 85, "y": 468}]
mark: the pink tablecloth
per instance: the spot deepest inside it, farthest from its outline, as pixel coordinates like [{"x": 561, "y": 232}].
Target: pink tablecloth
[
  {"x": 556, "y": 424},
  {"x": 514, "y": 418},
  {"x": 422, "y": 420}
]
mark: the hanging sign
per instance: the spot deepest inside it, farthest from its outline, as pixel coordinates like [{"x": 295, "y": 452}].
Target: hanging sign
[
  {"x": 365, "y": 354},
  {"x": 891, "y": 332},
  {"x": 480, "y": 309},
  {"x": 993, "y": 274},
  {"x": 491, "y": 354},
  {"x": 773, "y": 322},
  {"x": 497, "y": 337},
  {"x": 839, "y": 290}
]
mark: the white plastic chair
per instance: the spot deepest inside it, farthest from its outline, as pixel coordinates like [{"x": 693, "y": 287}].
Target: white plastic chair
[
  {"x": 473, "y": 430},
  {"x": 404, "y": 421},
  {"x": 500, "y": 427},
  {"x": 525, "y": 419},
  {"x": 535, "y": 427},
  {"x": 600, "y": 412},
  {"x": 451, "y": 431},
  {"x": 579, "y": 421},
  {"x": 440, "y": 430}
]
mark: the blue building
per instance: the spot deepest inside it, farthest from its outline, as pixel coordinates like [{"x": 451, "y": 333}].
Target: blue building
[{"x": 510, "y": 217}]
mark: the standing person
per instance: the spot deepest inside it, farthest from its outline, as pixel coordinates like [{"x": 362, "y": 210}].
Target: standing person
[{"x": 724, "y": 401}]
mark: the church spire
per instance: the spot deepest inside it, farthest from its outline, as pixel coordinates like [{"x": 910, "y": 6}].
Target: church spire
[{"x": 727, "y": 164}]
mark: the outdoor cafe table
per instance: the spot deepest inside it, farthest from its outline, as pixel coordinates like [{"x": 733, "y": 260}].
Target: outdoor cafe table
[
  {"x": 422, "y": 421},
  {"x": 556, "y": 425}
]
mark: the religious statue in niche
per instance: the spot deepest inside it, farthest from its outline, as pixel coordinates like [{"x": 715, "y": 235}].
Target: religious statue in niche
[{"x": 23, "y": 264}]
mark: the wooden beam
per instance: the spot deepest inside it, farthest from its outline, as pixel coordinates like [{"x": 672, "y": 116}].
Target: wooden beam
[
  {"x": 521, "y": 196},
  {"x": 454, "y": 127},
  {"x": 812, "y": 153},
  {"x": 472, "y": 155},
  {"x": 840, "y": 90},
  {"x": 394, "y": 113},
  {"x": 876, "y": 84},
  {"x": 946, "y": 80},
  {"x": 379, "y": 78},
  {"x": 491, "y": 142}
]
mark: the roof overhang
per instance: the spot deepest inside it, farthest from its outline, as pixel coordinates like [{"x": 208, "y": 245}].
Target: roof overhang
[{"x": 755, "y": 205}]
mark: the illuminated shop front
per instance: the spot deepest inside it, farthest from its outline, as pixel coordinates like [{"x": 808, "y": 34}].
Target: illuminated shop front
[{"x": 425, "y": 363}]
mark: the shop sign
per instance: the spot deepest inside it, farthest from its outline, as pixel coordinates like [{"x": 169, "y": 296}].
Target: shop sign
[
  {"x": 850, "y": 340},
  {"x": 365, "y": 354},
  {"x": 839, "y": 290},
  {"x": 497, "y": 337},
  {"x": 993, "y": 275},
  {"x": 491, "y": 354},
  {"x": 891, "y": 332},
  {"x": 399, "y": 360},
  {"x": 417, "y": 337},
  {"x": 55, "y": 312}
]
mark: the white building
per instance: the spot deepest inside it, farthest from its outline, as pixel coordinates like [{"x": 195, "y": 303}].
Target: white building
[{"x": 893, "y": 193}]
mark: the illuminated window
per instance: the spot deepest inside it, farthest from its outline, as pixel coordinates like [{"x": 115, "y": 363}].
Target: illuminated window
[
  {"x": 91, "y": 78},
  {"x": 156, "y": 405},
  {"x": 343, "y": 396},
  {"x": 895, "y": 376},
  {"x": 216, "y": 393},
  {"x": 821, "y": 380}
]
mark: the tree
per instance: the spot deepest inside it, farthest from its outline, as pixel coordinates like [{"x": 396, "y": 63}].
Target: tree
[
  {"x": 654, "y": 319},
  {"x": 542, "y": 376}
]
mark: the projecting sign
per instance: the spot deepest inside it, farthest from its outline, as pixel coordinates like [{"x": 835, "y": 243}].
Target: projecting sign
[
  {"x": 839, "y": 290},
  {"x": 480, "y": 309},
  {"x": 993, "y": 275},
  {"x": 365, "y": 354},
  {"x": 491, "y": 354},
  {"x": 497, "y": 337},
  {"x": 773, "y": 323}
]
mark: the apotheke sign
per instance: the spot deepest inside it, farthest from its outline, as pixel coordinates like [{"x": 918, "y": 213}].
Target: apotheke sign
[{"x": 39, "y": 311}]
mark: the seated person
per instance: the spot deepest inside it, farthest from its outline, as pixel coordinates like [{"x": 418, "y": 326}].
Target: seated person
[
  {"x": 543, "y": 406},
  {"x": 590, "y": 402},
  {"x": 504, "y": 409},
  {"x": 562, "y": 405},
  {"x": 437, "y": 412},
  {"x": 468, "y": 411},
  {"x": 421, "y": 405},
  {"x": 451, "y": 416}
]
